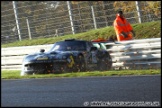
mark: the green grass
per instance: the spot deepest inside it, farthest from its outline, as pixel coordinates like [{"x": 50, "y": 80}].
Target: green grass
[
  {"x": 15, "y": 74},
  {"x": 144, "y": 30}
]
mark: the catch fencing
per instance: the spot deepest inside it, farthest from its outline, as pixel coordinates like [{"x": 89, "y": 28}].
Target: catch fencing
[
  {"x": 134, "y": 54},
  {"x": 21, "y": 20}
]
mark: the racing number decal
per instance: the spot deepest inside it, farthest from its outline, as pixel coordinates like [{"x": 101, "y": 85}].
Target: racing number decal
[{"x": 72, "y": 62}]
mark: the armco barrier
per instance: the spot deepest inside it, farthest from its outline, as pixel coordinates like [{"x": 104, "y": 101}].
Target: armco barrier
[
  {"x": 12, "y": 57},
  {"x": 134, "y": 54}
]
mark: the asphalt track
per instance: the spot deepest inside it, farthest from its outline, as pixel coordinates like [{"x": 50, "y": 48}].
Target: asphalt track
[{"x": 85, "y": 91}]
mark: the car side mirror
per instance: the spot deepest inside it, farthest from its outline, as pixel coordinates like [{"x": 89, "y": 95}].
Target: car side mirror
[
  {"x": 93, "y": 49},
  {"x": 42, "y": 50}
]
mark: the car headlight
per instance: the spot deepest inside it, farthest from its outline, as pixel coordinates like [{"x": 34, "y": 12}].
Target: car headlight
[{"x": 42, "y": 58}]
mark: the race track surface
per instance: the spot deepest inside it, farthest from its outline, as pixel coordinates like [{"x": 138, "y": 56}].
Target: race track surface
[{"x": 84, "y": 91}]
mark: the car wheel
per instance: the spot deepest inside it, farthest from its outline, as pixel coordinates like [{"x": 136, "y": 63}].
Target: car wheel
[
  {"x": 104, "y": 64},
  {"x": 81, "y": 66}
]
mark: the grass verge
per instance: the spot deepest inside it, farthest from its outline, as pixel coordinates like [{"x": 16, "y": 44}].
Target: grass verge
[
  {"x": 15, "y": 74},
  {"x": 143, "y": 30}
]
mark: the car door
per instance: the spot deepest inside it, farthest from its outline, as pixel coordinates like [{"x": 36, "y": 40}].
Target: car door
[{"x": 91, "y": 55}]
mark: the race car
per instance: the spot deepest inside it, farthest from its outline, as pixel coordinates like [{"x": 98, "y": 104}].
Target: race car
[{"x": 70, "y": 55}]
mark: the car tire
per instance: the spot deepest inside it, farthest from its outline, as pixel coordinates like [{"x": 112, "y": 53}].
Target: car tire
[
  {"x": 81, "y": 66},
  {"x": 104, "y": 64}
]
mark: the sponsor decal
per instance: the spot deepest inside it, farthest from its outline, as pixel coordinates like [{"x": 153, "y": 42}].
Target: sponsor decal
[{"x": 72, "y": 62}]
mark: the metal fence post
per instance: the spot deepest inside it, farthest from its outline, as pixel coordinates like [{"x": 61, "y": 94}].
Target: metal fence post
[
  {"x": 45, "y": 17},
  {"x": 70, "y": 16},
  {"x": 94, "y": 19},
  {"x": 27, "y": 21},
  {"x": 17, "y": 21},
  {"x": 138, "y": 11}
]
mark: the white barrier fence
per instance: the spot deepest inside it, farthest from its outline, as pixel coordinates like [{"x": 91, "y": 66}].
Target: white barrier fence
[
  {"x": 12, "y": 57},
  {"x": 134, "y": 54}
]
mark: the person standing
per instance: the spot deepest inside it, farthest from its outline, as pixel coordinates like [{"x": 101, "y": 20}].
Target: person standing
[{"x": 123, "y": 29}]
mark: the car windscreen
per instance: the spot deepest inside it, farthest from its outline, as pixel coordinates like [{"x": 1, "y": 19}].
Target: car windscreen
[{"x": 69, "y": 46}]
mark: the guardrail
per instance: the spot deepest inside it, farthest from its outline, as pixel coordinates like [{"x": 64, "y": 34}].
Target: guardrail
[
  {"x": 12, "y": 57},
  {"x": 134, "y": 54}
]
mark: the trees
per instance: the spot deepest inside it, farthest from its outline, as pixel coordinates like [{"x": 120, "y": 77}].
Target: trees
[
  {"x": 153, "y": 7},
  {"x": 7, "y": 15},
  {"x": 45, "y": 17},
  {"x": 147, "y": 8}
]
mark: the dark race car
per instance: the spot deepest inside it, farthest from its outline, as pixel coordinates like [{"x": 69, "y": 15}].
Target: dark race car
[{"x": 67, "y": 56}]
